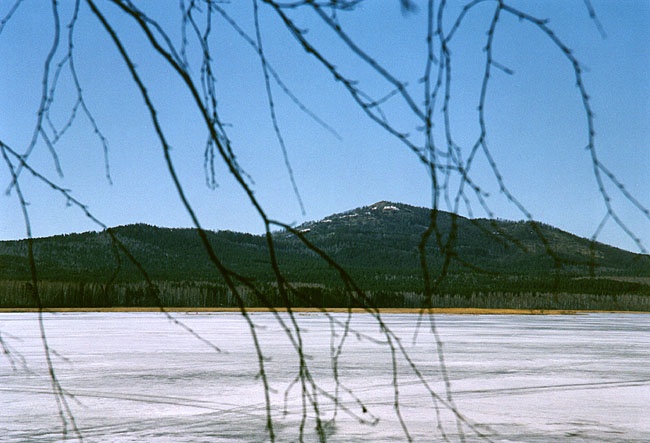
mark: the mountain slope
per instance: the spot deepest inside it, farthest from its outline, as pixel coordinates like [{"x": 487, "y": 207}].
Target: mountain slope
[
  {"x": 385, "y": 232},
  {"x": 377, "y": 244}
]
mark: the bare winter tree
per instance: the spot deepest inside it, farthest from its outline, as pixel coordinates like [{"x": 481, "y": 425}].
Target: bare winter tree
[{"x": 190, "y": 59}]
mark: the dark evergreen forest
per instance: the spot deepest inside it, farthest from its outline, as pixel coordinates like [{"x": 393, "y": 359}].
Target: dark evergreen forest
[{"x": 486, "y": 263}]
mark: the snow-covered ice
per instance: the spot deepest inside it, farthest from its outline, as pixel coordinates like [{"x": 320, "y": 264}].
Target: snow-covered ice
[{"x": 141, "y": 377}]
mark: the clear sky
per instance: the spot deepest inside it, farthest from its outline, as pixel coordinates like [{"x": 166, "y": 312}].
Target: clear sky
[{"x": 536, "y": 125}]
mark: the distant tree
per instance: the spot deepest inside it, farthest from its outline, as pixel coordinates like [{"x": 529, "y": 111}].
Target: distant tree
[{"x": 449, "y": 163}]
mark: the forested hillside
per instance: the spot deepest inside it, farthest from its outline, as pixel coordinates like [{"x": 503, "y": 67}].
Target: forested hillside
[{"x": 379, "y": 245}]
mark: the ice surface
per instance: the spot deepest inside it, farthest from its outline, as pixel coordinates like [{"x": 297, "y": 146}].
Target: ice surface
[{"x": 140, "y": 377}]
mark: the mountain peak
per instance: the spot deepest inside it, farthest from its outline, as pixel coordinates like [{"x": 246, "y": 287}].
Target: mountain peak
[
  {"x": 372, "y": 211},
  {"x": 386, "y": 206}
]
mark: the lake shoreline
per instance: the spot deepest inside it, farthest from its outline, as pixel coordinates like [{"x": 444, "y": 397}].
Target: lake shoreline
[{"x": 456, "y": 311}]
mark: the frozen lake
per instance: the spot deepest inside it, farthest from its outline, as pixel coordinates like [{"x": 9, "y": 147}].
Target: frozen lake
[{"x": 133, "y": 377}]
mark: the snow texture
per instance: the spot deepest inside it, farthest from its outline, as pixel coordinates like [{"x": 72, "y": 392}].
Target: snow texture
[{"x": 140, "y": 377}]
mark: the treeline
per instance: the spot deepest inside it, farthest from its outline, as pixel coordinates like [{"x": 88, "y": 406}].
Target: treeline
[{"x": 19, "y": 294}]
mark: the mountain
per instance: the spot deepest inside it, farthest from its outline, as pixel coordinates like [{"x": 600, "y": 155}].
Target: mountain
[
  {"x": 377, "y": 244},
  {"x": 495, "y": 246}
]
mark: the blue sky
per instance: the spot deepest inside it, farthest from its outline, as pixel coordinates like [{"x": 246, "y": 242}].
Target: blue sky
[{"x": 536, "y": 125}]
